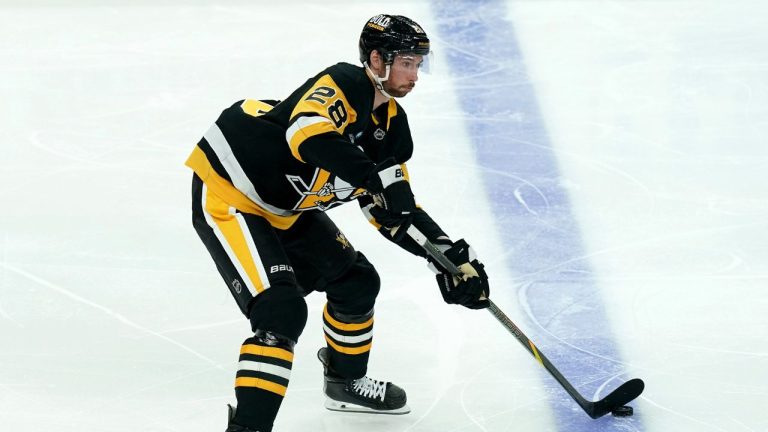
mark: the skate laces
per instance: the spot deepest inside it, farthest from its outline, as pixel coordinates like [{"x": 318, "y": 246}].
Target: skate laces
[{"x": 370, "y": 388}]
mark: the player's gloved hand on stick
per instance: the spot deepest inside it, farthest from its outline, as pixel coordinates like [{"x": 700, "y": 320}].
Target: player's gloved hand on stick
[
  {"x": 393, "y": 197},
  {"x": 471, "y": 290}
]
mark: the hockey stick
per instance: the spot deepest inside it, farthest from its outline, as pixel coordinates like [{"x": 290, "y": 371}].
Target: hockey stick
[{"x": 614, "y": 401}]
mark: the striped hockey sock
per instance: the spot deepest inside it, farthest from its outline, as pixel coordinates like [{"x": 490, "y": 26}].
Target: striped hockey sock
[
  {"x": 262, "y": 380},
  {"x": 349, "y": 342}
]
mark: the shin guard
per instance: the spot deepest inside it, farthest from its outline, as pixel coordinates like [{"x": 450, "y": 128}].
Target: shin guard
[{"x": 349, "y": 340}]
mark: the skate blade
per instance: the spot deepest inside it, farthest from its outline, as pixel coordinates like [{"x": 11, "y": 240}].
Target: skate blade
[{"x": 350, "y": 407}]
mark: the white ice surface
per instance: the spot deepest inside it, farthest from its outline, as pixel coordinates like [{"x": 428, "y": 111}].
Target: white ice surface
[{"x": 113, "y": 318}]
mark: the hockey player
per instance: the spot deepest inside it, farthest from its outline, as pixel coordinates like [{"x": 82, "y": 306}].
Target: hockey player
[{"x": 263, "y": 175}]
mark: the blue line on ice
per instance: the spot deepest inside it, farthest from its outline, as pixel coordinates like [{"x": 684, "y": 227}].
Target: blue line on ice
[{"x": 536, "y": 225}]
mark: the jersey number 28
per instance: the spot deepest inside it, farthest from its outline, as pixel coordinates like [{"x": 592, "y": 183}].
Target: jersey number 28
[{"x": 337, "y": 112}]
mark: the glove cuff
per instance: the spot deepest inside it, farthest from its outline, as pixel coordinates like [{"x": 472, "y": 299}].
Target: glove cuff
[
  {"x": 391, "y": 175},
  {"x": 384, "y": 174}
]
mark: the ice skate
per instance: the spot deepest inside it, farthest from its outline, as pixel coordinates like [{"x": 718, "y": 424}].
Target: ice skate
[
  {"x": 364, "y": 395},
  {"x": 232, "y": 426}
]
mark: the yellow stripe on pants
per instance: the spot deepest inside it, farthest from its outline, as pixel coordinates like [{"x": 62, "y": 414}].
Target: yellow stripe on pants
[{"x": 224, "y": 216}]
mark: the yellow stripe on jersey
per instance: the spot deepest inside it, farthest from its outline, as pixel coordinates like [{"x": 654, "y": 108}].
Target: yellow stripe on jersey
[
  {"x": 262, "y": 384},
  {"x": 232, "y": 230},
  {"x": 372, "y": 220},
  {"x": 391, "y": 112},
  {"x": 323, "y": 99},
  {"x": 254, "y": 107},
  {"x": 217, "y": 184},
  {"x": 345, "y": 326},
  {"x": 326, "y": 100},
  {"x": 405, "y": 172},
  {"x": 305, "y": 127},
  {"x": 375, "y": 224},
  {"x": 266, "y": 351}
]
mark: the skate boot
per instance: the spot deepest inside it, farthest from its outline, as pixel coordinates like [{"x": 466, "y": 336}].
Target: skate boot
[
  {"x": 232, "y": 426},
  {"x": 365, "y": 395}
]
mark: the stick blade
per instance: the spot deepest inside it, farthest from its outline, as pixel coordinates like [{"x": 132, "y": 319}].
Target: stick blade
[{"x": 625, "y": 393}]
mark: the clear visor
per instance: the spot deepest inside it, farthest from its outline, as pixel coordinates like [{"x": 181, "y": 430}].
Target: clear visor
[{"x": 413, "y": 62}]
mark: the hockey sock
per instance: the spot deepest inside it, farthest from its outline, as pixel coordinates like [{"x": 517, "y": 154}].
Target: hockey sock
[
  {"x": 349, "y": 340},
  {"x": 262, "y": 379}
]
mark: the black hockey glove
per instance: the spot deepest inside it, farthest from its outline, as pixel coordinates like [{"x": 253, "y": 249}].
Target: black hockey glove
[
  {"x": 393, "y": 198},
  {"x": 472, "y": 289}
]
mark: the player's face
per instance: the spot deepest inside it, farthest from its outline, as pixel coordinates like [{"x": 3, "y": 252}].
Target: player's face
[{"x": 403, "y": 74}]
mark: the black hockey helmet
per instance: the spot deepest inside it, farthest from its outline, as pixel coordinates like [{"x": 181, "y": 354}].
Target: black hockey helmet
[{"x": 391, "y": 35}]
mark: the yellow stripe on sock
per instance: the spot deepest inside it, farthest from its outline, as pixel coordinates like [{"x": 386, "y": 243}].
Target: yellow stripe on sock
[
  {"x": 344, "y": 326},
  {"x": 262, "y": 384},
  {"x": 278, "y": 353}
]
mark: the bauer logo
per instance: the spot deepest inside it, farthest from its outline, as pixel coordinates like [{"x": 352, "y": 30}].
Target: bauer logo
[
  {"x": 398, "y": 173},
  {"x": 280, "y": 267}
]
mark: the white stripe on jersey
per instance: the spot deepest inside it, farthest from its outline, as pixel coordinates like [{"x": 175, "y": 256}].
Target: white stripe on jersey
[
  {"x": 302, "y": 122},
  {"x": 223, "y": 151}
]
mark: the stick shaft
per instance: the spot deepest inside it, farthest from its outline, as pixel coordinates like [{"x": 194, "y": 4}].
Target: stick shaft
[{"x": 538, "y": 355}]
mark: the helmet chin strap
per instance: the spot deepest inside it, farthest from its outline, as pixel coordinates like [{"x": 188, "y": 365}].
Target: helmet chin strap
[{"x": 378, "y": 82}]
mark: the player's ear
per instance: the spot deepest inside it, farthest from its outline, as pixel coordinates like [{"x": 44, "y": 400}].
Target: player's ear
[{"x": 376, "y": 61}]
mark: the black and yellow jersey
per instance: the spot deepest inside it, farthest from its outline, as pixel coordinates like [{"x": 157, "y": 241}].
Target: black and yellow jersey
[{"x": 311, "y": 151}]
